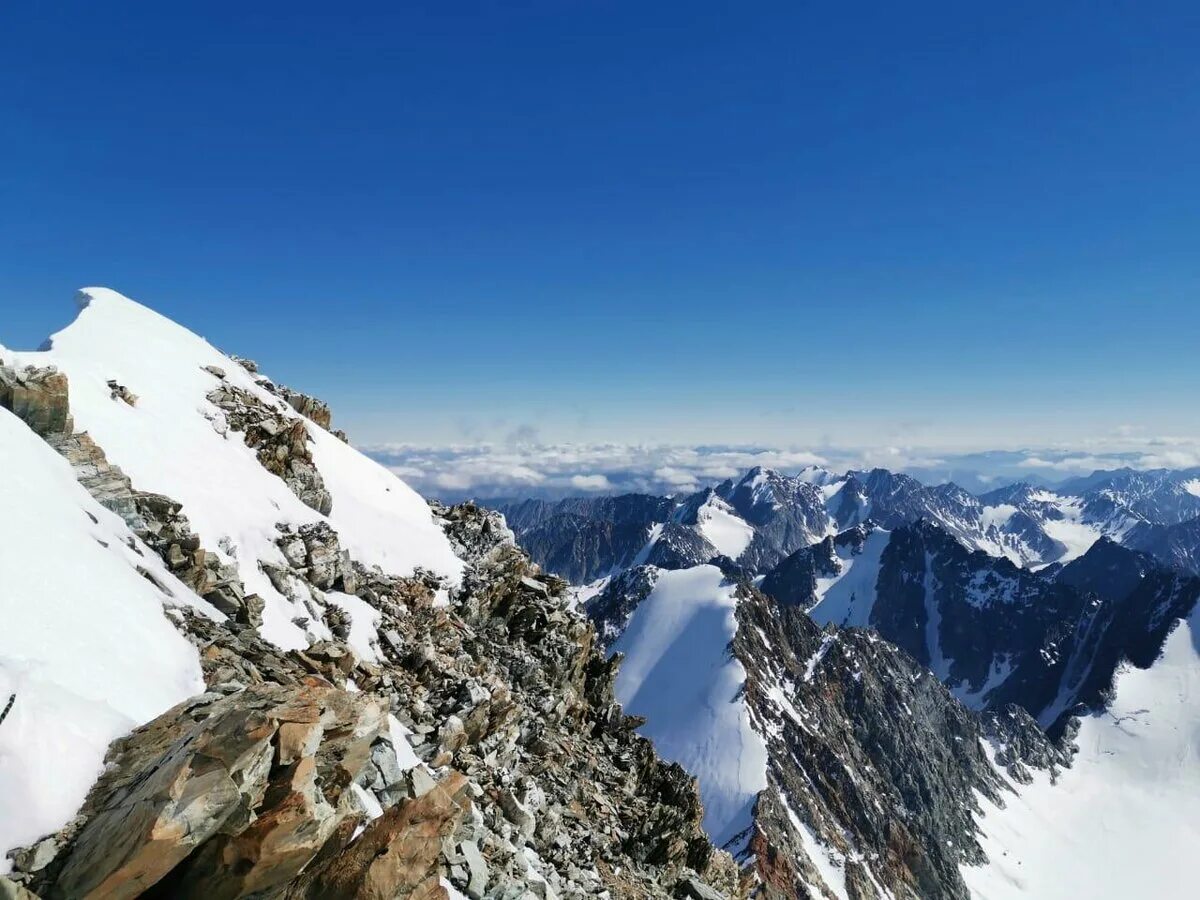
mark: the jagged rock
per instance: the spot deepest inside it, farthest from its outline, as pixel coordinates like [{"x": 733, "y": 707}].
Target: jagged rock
[
  {"x": 395, "y": 857},
  {"x": 290, "y": 778},
  {"x": 280, "y": 442},
  {"x": 122, "y": 393},
  {"x": 221, "y": 796},
  {"x": 317, "y": 410},
  {"x": 478, "y": 878},
  {"x": 867, "y": 749},
  {"x": 37, "y": 396}
]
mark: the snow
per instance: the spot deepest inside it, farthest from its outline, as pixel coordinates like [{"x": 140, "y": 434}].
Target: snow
[
  {"x": 848, "y": 597},
  {"x": 810, "y": 668},
  {"x": 1000, "y": 669},
  {"x": 370, "y": 803},
  {"x": 938, "y": 663},
  {"x": 579, "y": 597},
  {"x": 655, "y": 532},
  {"x": 364, "y": 622},
  {"x": 680, "y": 675},
  {"x": 996, "y": 516},
  {"x": 167, "y": 443},
  {"x": 1125, "y": 818},
  {"x": 1071, "y": 531},
  {"x": 398, "y": 732},
  {"x": 84, "y": 642},
  {"x": 829, "y": 863},
  {"x": 1192, "y": 486},
  {"x": 723, "y": 528}
]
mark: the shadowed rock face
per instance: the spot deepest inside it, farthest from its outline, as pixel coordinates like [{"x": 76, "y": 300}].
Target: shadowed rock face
[
  {"x": 997, "y": 634},
  {"x": 868, "y": 752},
  {"x": 582, "y": 539}
]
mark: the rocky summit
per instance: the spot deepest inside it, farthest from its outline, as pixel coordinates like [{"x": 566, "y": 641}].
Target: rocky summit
[{"x": 429, "y": 735}]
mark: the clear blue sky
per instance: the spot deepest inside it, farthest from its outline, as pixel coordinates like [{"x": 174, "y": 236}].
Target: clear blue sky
[{"x": 696, "y": 221}]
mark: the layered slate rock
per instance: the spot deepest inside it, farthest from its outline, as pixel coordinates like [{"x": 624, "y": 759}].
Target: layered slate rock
[
  {"x": 224, "y": 796},
  {"x": 37, "y": 396}
]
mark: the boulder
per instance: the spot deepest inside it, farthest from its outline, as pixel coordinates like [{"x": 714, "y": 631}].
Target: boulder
[
  {"x": 221, "y": 796},
  {"x": 39, "y": 397}
]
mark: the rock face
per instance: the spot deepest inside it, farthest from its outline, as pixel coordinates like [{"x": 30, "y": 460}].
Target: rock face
[
  {"x": 995, "y": 633},
  {"x": 224, "y": 796},
  {"x": 586, "y": 538},
  {"x": 38, "y": 397},
  {"x": 872, "y": 762},
  {"x": 280, "y": 442}
]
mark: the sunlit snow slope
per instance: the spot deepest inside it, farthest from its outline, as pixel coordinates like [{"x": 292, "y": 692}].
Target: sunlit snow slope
[
  {"x": 1123, "y": 821},
  {"x": 168, "y": 444},
  {"x": 848, "y": 597},
  {"x": 84, "y": 644},
  {"x": 680, "y": 675}
]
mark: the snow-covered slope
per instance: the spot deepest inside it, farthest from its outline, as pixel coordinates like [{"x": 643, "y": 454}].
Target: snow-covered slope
[
  {"x": 847, "y": 597},
  {"x": 723, "y": 528},
  {"x": 679, "y": 674},
  {"x": 1122, "y": 821},
  {"x": 174, "y": 441},
  {"x": 85, "y": 648}
]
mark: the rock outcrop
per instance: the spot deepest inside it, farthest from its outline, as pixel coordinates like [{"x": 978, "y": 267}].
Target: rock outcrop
[
  {"x": 280, "y": 442},
  {"x": 38, "y": 396}
]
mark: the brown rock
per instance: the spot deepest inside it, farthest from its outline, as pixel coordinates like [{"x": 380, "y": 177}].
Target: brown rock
[
  {"x": 395, "y": 857},
  {"x": 38, "y": 397}
]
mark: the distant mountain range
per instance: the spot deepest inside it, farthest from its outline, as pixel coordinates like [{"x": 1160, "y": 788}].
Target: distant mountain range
[
  {"x": 764, "y": 516},
  {"x": 827, "y": 653}
]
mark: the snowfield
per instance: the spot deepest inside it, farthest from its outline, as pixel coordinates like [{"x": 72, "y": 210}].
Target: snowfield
[
  {"x": 848, "y": 597},
  {"x": 723, "y": 528},
  {"x": 1123, "y": 821},
  {"x": 680, "y": 675},
  {"x": 84, "y": 644}
]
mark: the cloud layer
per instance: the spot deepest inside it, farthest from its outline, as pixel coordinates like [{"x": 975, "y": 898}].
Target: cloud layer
[{"x": 487, "y": 471}]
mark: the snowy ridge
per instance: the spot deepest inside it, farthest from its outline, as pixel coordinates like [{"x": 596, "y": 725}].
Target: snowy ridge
[
  {"x": 679, "y": 674},
  {"x": 723, "y": 528},
  {"x": 85, "y": 647},
  {"x": 174, "y": 442}
]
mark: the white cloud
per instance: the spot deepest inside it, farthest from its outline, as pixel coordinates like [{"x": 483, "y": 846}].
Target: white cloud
[
  {"x": 591, "y": 482},
  {"x": 517, "y": 469}
]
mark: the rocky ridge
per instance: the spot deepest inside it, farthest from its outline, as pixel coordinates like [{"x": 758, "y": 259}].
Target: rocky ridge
[{"x": 466, "y": 736}]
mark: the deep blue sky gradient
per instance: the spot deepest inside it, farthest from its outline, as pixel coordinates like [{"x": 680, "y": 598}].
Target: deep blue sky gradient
[{"x": 947, "y": 223}]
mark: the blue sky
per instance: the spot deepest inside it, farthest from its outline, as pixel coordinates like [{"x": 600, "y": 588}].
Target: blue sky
[{"x": 792, "y": 224}]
